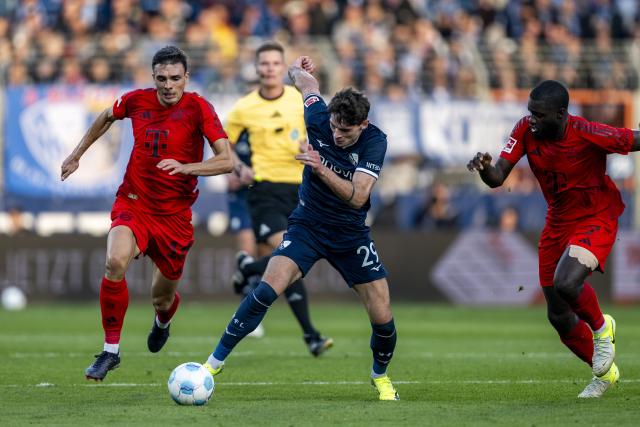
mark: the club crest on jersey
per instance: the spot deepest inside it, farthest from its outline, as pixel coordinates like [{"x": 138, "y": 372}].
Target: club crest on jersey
[
  {"x": 508, "y": 147},
  {"x": 311, "y": 100},
  {"x": 284, "y": 244},
  {"x": 353, "y": 158}
]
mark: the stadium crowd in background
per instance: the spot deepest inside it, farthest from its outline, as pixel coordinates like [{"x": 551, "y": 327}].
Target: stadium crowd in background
[
  {"x": 397, "y": 49},
  {"x": 447, "y": 48}
]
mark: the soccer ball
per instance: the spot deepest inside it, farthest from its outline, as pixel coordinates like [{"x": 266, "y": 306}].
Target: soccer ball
[
  {"x": 13, "y": 299},
  {"x": 190, "y": 384}
]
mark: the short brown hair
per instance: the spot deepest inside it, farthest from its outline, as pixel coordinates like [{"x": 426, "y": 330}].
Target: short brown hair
[
  {"x": 169, "y": 55},
  {"x": 349, "y": 106},
  {"x": 269, "y": 45}
]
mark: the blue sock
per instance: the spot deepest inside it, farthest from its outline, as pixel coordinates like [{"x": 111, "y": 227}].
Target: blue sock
[
  {"x": 246, "y": 318},
  {"x": 383, "y": 342}
]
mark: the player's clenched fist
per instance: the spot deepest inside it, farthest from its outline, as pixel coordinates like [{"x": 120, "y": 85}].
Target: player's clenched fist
[
  {"x": 480, "y": 162},
  {"x": 306, "y": 63}
]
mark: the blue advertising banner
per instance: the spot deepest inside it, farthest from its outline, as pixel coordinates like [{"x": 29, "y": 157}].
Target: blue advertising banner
[{"x": 43, "y": 124}]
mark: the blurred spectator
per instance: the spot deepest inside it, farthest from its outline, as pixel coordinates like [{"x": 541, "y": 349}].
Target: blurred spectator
[
  {"x": 72, "y": 72},
  {"x": 322, "y": 16},
  {"x": 17, "y": 223},
  {"x": 99, "y": 70},
  {"x": 261, "y": 19},
  {"x": 18, "y": 74},
  {"x": 439, "y": 212},
  {"x": 509, "y": 219},
  {"x": 216, "y": 20}
]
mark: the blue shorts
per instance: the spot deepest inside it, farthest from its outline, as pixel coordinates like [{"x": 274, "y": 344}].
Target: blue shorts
[
  {"x": 239, "y": 218},
  {"x": 352, "y": 254}
]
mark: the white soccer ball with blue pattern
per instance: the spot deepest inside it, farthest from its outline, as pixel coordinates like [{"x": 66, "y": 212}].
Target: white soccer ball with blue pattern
[{"x": 190, "y": 384}]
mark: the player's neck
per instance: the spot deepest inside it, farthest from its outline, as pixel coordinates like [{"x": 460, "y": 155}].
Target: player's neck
[
  {"x": 561, "y": 131},
  {"x": 271, "y": 93}
]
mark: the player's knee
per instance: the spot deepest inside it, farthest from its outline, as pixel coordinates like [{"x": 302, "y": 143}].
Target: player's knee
[
  {"x": 566, "y": 287},
  {"x": 162, "y": 303},
  {"x": 562, "y": 322},
  {"x": 115, "y": 267}
]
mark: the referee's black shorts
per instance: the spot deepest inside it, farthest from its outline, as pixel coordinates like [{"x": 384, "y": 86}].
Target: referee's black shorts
[{"x": 270, "y": 204}]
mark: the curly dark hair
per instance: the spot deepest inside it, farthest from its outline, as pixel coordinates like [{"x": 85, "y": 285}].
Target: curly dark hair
[
  {"x": 349, "y": 106},
  {"x": 169, "y": 55}
]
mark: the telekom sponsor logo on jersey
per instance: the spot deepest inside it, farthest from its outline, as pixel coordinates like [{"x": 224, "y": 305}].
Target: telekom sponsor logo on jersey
[{"x": 508, "y": 147}]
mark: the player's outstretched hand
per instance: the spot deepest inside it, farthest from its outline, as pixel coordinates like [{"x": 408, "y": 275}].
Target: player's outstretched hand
[
  {"x": 306, "y": 63},
  {"x": 69, "y": 166},
  {"x": 309, "y": 157},
  {"x": 480, "y": 162},
  {"x": 173, "y": 166}
]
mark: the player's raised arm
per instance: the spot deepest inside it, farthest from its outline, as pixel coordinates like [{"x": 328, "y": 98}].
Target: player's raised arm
[
  {"x": 100, "y": 125},
  {"x": 493, "y": 176},
  {"x": 300, "y": 73}
]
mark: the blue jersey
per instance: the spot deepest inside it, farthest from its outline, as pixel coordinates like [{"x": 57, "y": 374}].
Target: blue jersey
[
  {"x": 239, "y": 218},
  {"x": 243, "y": 148},
  {"x": 318, "y": 203}
]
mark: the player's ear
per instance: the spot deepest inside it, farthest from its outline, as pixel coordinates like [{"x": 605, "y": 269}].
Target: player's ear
[
  {"x": 364, "y": 124},
  {"x": 562, "y": 112}
]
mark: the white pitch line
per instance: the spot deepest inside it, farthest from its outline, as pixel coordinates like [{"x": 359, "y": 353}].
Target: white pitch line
[
  {"x": 629, "y": 358},
  {"x": 321, "y": 383},
  {"x": 452, "y": 355}
]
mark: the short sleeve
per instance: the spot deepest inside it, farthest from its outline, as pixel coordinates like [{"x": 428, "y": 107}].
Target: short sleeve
[
  {"x": 211, "y": 126},
  {"x": 609, "y": 138},
  {"x": 372, "y": 158},
  {"x": 234, "y": 125},
  {"x": 120, "y": 110},
  {"x": 514, "y": 148}
]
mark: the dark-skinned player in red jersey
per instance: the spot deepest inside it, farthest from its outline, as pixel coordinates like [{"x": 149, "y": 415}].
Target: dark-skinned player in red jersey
[
  {"x": 151, "y": 214},
  {"x": 568, "y": 156}
]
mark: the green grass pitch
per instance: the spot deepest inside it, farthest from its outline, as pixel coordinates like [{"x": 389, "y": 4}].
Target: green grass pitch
[{"x": 452, "y": 367}]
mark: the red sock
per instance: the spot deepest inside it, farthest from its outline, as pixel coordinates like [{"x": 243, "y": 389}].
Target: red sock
[
  {"x": 587, "y": 308},
  {"x": 165, "y": 316},
  {"x": 114, "y": 300},
  {"x": 580, "y": 341}
]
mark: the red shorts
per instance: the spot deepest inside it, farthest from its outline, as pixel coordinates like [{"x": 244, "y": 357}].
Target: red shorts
[
  {"x": 165, "y": 239},
  {"x": 596, "y": 234}
]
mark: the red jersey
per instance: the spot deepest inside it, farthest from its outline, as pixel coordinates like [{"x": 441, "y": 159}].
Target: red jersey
[
  {"x": 159, "y": 132},
  {"x": 572, "y": 170}
]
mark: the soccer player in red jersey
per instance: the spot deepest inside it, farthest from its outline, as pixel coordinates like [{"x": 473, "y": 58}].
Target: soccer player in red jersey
[
  {"x": 151, "y": 214},
  {"x": 568, "y": 156}
]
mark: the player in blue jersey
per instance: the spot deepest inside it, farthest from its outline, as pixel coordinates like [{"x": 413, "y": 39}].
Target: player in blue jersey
[{"x": 342, "y": 161}]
